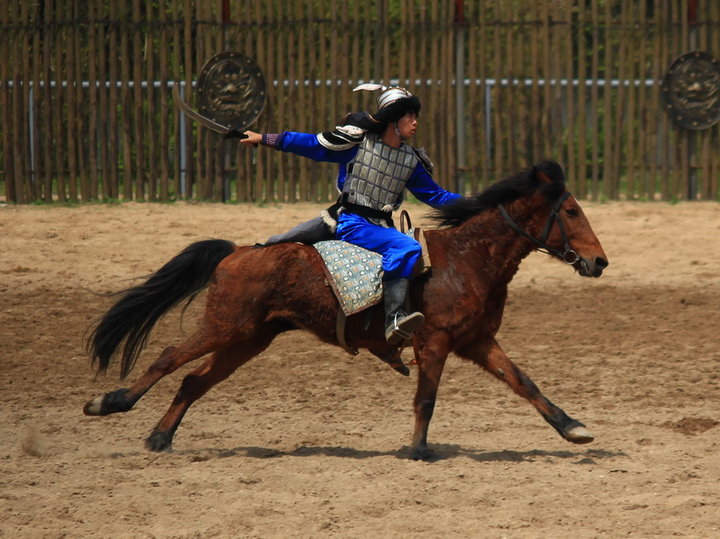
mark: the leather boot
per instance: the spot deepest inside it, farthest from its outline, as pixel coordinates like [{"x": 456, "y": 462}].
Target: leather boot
[{"x": 399, "y": 326}]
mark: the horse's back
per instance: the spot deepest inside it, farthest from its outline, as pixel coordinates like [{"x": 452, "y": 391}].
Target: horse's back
[{"x": 284, "y": 277}]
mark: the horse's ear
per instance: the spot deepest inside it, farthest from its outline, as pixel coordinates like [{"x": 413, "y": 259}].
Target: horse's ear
[{"x": 541, "y": 176}]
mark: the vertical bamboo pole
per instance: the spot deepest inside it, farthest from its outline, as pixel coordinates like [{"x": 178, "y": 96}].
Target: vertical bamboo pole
[
  {"x": 570, "y": 130},
  {"x": 188, "y": 62},
  {"x": 78, "y": 123},
  {"x": 165, "y": 113},
  {"x": 547, "y": 75},
  {"x": 38, "y": 164},
  {"x": 58, "y": 105},
  {"x": 448, "y": 139},
  {"x": 473, "y": 131},
  {"x": 654, "y": 120},
  {"x": 275, "y": 71},
  {"x": 5, "y": 134},
  {"x": 679, "y": 148},
  {"x": 304, "y": 41},
  {"x": 632, "y": 120},
  {"x": 642, "y": 98},
  {"x": 48, "y": 38},
  {"x": 595, "y": 101},
  {"x": 150, "y": 132},
  {"x": 177, "y": 75},
  {"x": 703, "y": 152},
  {"x": 511, "y": 112},
  {"x": 113, "y": 112},
  {"x": 713, "y": 138},
  {"x": 320, "y": 189},
  {"x": 278, "y": 94},
  {"x": 261, "y": 171},
  {"x": 622, "y": 135},
  {"x": 126, "y": 123},
  {"x": 498, "y": 103},
  {"x": 608, "y": 179},
  {"x": 485, "y": 51},
  {"x": 21, "y": 96},
  {"x": 72, "y": 106},
  {"x": 582, "y": 184},
  {"x": 9, "y": 19},
  {"x": 92, "y": 143},
  {"x": 204, "y": 137}
]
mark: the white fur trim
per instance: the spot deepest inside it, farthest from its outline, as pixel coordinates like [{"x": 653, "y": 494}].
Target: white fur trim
[{"x": 328, "y": 220}]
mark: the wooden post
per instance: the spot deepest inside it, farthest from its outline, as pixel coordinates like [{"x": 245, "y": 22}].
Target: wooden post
[{"x": 460, "y": 96}]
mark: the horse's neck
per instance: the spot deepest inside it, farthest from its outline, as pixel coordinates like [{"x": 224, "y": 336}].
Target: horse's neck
[{"x": 485, "y": 242}]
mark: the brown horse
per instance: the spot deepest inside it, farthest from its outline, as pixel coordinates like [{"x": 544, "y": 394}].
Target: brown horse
[{"x": 257, "y": 293}]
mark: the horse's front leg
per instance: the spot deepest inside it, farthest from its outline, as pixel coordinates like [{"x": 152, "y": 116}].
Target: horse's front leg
[
  {"x": 430, "y": 367},
  {"x": 492, "y": 358}
]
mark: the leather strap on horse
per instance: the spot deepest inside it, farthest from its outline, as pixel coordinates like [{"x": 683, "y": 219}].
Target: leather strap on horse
[
  {"x": 340, "y": 331},
  {"x": 405, "y": 218}
]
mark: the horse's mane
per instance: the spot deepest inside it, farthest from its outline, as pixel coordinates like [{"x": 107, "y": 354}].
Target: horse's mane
[{"x": 522, "y": 184}]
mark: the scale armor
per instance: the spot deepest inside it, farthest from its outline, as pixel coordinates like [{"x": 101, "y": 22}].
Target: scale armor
[{"x": 378, "y": 174}]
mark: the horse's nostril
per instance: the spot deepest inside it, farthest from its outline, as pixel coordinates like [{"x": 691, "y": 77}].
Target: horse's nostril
[{"x": 601, "y": 262}]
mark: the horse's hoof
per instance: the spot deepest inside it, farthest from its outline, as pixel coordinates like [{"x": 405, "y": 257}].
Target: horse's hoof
[
  {"x": 424, "y": 453},
  {"x": 159, "y": 441},
  {"x": 579, "y": 435},
  {"x": 110, "y": 403},
  {"x": 93, "y": 407}
]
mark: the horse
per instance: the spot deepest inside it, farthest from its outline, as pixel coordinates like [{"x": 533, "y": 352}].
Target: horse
[{"x": 254, "y": 294}]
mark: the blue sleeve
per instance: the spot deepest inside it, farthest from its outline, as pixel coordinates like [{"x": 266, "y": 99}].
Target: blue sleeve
[
  {"x": 426, "y": 190},
  {"x": 307, "y": 145}
]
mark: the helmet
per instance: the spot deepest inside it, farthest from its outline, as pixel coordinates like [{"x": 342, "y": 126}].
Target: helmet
[
  {"x": 390, "y": 95},
  {"x": 393, "y": 103}
]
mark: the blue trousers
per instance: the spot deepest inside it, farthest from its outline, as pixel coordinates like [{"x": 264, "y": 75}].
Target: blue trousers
[{"x": 399, "y": 252}]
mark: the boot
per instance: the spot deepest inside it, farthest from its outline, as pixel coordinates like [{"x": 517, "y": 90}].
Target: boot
[{"x": 399, "y": 326}]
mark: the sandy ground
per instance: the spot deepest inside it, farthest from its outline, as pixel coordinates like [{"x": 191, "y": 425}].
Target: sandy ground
[{"x": 307, "y": 441}]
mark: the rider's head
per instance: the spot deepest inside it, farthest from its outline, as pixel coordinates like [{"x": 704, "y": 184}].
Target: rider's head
[{"x": 393, "y": 103}]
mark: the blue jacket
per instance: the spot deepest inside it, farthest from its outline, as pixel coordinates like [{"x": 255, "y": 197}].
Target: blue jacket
[{"x": 420, "y": 183}]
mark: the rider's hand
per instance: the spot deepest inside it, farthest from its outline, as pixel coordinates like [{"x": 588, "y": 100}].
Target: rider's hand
[{"x": 250, "y": 137}]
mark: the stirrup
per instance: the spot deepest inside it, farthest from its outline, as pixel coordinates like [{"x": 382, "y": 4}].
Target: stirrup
[{"x": 402, "y": 328}]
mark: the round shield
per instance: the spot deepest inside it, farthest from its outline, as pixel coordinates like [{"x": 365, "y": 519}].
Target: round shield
[
  {"x": 231, "y": 90},
  {"x": 691, "y": 91}
]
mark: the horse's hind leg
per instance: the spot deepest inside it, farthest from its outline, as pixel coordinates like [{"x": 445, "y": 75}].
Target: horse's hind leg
[
  {"x": 172, "y": 358},
  {"x": 494, "y": 360},
  {"x": 215, "y": 369}
]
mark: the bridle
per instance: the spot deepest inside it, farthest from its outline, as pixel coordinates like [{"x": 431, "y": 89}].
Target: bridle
[{"x": 568, "y": 255}]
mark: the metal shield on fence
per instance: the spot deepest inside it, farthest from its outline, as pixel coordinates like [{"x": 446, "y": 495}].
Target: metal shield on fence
[
  {"x": 691, "y": 91},
  {"x": 231, "y": 90}
]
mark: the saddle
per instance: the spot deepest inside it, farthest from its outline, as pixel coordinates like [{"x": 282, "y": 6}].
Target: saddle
[{"x": 355, "y": 276}]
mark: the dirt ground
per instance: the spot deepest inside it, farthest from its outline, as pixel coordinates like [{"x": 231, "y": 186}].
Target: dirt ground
[{"x": 298, "y": 444}]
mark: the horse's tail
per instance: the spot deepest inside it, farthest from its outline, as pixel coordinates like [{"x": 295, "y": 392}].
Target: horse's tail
[{"x": 132, "y": 318}]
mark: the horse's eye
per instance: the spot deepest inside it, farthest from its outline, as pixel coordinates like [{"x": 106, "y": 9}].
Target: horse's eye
[{"x": 572, "y": 212}]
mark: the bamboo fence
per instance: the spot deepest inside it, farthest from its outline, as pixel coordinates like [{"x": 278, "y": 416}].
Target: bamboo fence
[{"x": 86, "y": 111}]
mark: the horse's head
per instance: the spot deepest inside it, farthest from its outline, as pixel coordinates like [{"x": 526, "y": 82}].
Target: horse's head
[
  {"x": 536, "y": 205},
  {"x": 562, "y": 230}
]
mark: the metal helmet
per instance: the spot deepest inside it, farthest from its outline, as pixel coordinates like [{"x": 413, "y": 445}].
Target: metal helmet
[{"x": 393, "y": 102}]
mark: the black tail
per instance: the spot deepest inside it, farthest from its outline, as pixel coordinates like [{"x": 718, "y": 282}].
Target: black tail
[{"x": 132, "y": 318}]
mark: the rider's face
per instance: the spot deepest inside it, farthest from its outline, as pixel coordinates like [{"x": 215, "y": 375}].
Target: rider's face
[{"x": 407, "y": 125}]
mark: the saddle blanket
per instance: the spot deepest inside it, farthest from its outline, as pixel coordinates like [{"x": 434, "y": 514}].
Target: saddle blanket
[{"x": 354, "y": 273}]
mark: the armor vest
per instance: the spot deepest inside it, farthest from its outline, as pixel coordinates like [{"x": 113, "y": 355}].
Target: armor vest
[{"x": 378, "y": 174}]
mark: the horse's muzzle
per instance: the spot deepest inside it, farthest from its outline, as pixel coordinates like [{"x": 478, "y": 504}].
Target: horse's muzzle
[{"x": 591, "y": 267}]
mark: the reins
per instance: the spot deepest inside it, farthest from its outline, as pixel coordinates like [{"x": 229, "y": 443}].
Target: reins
[{"x": 568, "y": 255}]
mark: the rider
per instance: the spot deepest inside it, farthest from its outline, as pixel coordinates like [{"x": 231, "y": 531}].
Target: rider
[{"x": 375, "y": 167}]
